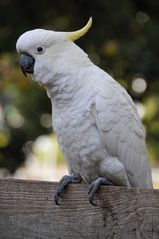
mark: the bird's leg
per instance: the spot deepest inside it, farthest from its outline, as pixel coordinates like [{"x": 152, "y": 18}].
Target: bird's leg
[
  {"x": 63, "y": 183},
  {"x": 94, "y": 186}
]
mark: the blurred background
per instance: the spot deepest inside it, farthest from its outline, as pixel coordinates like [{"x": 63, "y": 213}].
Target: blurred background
[{"x": 124, "y": 41}]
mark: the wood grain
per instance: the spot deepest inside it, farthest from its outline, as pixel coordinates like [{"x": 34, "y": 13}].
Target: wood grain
[{"x": 27, "y": 210}]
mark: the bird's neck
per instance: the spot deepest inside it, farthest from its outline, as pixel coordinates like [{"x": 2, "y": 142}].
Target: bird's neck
[
  {"x": 66, "y": 86},
  {"x": 70, "y": 78}
]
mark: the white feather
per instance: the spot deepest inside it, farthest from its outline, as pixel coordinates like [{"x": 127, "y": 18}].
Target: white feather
[{"x": 96, "y": 122}]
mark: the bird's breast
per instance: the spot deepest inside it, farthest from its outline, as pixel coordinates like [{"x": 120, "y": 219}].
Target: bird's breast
[{"x": 79, "y": 141}]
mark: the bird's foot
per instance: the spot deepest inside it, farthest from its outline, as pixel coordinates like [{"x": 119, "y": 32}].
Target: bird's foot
[
  {"x": 63, "y": 183},
  {"x": 94, "y": 186}
]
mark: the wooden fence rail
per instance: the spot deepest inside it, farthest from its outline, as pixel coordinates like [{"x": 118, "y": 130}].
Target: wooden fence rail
[{"x": 27, "y": 210}]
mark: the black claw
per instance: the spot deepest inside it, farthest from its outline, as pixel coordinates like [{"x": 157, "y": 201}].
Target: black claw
[
  {"x": 63, "y": 184},
  {"x": 56, "y": 201},
  {"x": 57, "y": 196},
  {"x": 91, "y": 201},
  {"x": 94, "y": 186},
  {"x": 90, "y": 187}
]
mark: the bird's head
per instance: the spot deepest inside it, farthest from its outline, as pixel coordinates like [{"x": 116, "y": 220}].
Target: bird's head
[{"x": 43, "y": 52}]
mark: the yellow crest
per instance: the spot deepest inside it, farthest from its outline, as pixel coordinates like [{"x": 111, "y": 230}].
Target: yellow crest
[{"x": 72, "y": 36}]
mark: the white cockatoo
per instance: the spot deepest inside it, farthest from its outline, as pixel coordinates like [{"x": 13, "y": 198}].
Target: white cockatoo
[{"x": 95, "y": 120}]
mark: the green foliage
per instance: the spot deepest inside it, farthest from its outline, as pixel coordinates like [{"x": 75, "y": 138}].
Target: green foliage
[{"x": 123, "y": 41}]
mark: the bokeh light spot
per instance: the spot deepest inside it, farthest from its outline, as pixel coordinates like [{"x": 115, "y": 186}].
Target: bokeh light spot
[
  {"x": 142, "y": 17},
  {"x": 139, "y": 85},
  {"x": 14, "y": 118},
  {"x": 46, "y": 120},
  {"x": 140, "y": 109},
  {"x": 4, "y": 139}
]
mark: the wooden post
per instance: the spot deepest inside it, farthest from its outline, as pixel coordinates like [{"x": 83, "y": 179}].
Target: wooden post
[{"x": 27, "y": 210}]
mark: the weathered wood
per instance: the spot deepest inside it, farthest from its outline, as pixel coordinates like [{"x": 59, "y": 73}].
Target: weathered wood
[{"x": 27, "y": 210}]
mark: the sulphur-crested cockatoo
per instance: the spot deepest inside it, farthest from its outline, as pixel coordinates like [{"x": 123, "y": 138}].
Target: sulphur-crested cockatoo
[{"x": 95, "y": 120}]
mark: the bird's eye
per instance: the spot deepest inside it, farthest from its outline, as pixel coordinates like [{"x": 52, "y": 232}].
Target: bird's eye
[{"x": 39, "y": 49}]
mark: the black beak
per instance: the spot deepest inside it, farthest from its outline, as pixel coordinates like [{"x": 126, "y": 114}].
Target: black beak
[{"x": 27, "y": 63}]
